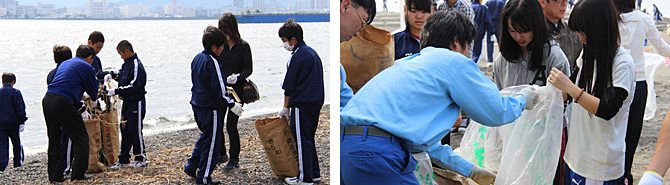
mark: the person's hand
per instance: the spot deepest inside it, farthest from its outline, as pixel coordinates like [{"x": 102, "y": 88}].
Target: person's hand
[
  {"x": 560, "y": 80},
  {"x": 108, "y": 77},
  {"x": 94, "y": 103},
  {"x": 283, "y": 112},
  {"x": 482, "y": 177},
  {"x": 22, "y": 127},
  {"x": 85, "y": 115},
  {"x": 232, "y": 79},
  {"x": 531, "y": 96},
  {"x": 237, "y": 109},
  {"x": 651, "y": 178}
]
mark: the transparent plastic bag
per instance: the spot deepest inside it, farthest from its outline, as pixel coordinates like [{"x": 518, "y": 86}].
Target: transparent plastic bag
[
  {"x": 532, "y": 146},
  {"x": 424, "y": 169},
  {"x": 482, "y": 146},
  {"x": 652, "y": 61}
]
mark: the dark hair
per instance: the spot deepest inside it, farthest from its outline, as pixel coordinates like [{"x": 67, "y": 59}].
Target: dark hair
[
  {"x": 444, "y": 28},
  {"x": 61, "y": 53},
  {"x": 96, "y": 37},
  {"x": 369, "y": 5},
  {"x": 212, "y": 36},
  {"x": 425, "y": 6},
  {"x": 8, "y": 78},
  {"x": 598, "y": 20},
  {"x": 525, "y": 16},
  {"x": 85, "y": 51},
  {"x": 124, "y": 45},
  {"x": 291, "y": 29},
  {"x": 624, "y": 6},
  {"x": 228, "y": 24}
]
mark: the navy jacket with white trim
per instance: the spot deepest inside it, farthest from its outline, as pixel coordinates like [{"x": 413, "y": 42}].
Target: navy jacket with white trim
[
  {"x": 209, "y": 83},
  {"x": 132, "y": 79}
]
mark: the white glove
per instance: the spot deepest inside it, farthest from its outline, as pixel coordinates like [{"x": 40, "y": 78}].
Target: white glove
[
  {"x": 283, "y": 113},
  {"x": 481, "y": 176},
  {"x": 237, "y": 109},
  {"x": 651, "y": 178},
  {"x": 531, "y": 95},
  {"x": 111, "y": 92},
  {"x": 108, "y": 77},
  {"x": 22, "y": 127},
  {"x": 85, "y": 115},
  {"x": 86, "y": 96},
  {"x": 232, "y": 79}
]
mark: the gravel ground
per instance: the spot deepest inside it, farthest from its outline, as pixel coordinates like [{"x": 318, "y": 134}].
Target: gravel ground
[{"x": 167, "y": 153}]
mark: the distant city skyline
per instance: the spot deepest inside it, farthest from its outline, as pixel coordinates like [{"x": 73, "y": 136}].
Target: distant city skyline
[{"x": 150, "y": 9}]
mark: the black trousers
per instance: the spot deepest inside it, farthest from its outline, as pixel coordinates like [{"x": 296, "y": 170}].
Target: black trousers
[
  {"x": 634, "y": 128},
  {"x": 59, "y": 112},
  {"x": 233, "y": 135}
]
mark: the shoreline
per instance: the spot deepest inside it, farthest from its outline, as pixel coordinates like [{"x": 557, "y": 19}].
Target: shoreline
[{"x": 168, "y": 151}]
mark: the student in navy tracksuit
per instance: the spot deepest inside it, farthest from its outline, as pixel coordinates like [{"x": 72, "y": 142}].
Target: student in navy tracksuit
[
  {"x": 12, "y": 120},
  {"x": 132, "y": 78},
  {"x": 416, "y": 13},
  {"x": 96, "y": 41},
  {"x": 63, "y": 53},
  {"x": 484, "y": 25},
  {"x": 494, "y": 8},
  {"x": 210, "y": 102},
  {"x": 72, "y": 78},
  {"x": 304, "y": 94}
]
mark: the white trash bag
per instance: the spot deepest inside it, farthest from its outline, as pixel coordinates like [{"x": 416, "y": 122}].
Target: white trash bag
[
  {"x": 652, "y": 61},
  {"x": 532, "y": 147},
  {"x": 482, "y": 146},
  {"x": 424, "y": 169}
]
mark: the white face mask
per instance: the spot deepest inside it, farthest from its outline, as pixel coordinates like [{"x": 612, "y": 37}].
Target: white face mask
[{"x": 287, "y": 46}]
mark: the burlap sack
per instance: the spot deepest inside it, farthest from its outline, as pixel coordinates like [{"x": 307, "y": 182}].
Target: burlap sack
[
  {"x": 94, "y": 140},
  {"x": 280, "y": 148},
  {"x": 446, "y": 177},
  {"x": 365, "y": 55},
  {"x": 110, "y": 137}
]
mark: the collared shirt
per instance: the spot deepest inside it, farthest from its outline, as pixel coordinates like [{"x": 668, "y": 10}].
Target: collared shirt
[
  {"x": 420, "y": 97},
  {"x": 461, "y": 7},
  {"x": 345, "y": 91}
]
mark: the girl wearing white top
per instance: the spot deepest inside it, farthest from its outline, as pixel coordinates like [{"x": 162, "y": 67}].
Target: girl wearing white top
[
  {"x": 634, "y": 27},
  {"x": 602, "y": 96}
]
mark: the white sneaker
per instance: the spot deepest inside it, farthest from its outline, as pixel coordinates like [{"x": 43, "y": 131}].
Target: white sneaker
[
  {"x": 119, "y": 166},
  {"x": 294, "y": 181},
  {"x": 138, "y": 164}
]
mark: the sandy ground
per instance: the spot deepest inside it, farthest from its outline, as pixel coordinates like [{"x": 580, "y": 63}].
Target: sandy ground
[{"x": 167, "y": 153}]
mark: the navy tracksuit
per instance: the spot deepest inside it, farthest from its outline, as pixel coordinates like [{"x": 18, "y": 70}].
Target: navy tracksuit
[
  {"x": 12, "y": 114},
  {"x": 405, "y": 44},
  {"x": 210, "y": 102},
  {"x": 304, "y": 86},
  {"x": 132, "y": 78},
  {"x": 484, "y": 25}
]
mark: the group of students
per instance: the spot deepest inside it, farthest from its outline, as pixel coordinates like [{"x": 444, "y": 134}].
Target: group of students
[
  {"x": 65, "y": 110},
  {"x": 410, "y": 106},
  {"x": 225, "y": 62}
]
